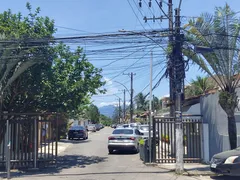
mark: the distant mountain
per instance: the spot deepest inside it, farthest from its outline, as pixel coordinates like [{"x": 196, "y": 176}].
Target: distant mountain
[{"x": 107, "y": 110}]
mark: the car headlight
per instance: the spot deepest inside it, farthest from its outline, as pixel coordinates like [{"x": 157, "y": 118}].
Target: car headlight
[{"x": 232, "y": 159}]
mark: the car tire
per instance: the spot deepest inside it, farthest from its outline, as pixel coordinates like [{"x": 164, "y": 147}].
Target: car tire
[{"x": 110, "y": 151}]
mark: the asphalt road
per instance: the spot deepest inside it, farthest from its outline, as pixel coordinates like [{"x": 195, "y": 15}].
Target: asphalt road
[{"x": 89, "y": 160}]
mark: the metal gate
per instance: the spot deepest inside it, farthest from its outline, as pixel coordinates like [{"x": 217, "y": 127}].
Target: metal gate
[
  {"x": 28, "y": 140},
  {"x": 164, "y": 136}
]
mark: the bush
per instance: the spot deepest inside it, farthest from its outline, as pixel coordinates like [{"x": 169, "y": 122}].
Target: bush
[
  {"x": 141, "y": 142},
  {"x": 165, "y": 138}
]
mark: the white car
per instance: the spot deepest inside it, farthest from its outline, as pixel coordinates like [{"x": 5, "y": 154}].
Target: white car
[{"x": 124, "y": 139}]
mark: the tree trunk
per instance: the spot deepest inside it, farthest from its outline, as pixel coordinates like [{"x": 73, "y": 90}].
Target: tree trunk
[
  {"x": 232, "y": 132},
  {"x": 228, "y": 101}
]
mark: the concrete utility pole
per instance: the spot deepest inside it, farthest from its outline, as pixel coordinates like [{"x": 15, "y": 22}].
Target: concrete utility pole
[
  {"x": 131, "y": 106},
  {"x": 119, "y": 106},
  {"x": 131, "y": 96},
  {"x": 124, "y": 104},
  {"x": 171, "y": 61},
  {"x": 150, "y": 112},
  {"x": 179, "y": 77}
]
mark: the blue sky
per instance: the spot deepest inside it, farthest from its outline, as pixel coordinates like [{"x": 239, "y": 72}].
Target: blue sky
[{"x": 104, "y": 16}]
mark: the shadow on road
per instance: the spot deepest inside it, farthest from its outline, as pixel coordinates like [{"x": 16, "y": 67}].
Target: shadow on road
[
  {"x": 225, "y": 178},
  {"x": 64, "y": 162},
  {"x": 123, "y": 153},
  {"x": 75, "y": 141}
]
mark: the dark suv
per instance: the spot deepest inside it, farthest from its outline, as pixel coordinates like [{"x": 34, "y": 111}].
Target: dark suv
[{"x": 78, "y": 132}]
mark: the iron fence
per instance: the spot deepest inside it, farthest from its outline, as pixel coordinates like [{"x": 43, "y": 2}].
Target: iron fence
[
  {"x": 165, "y": 145},
  {"x": 29, "y": 140}
]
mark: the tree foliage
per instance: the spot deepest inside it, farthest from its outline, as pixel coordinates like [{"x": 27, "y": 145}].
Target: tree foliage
[
  {"x": 199, "y": 86},
  {"x": 59, "y": 79},
  {"x": 219, "y": 32},
  {"x": 93, "y": 114},
  {"x": 20, "y": 51},
  {"x": 106, "y": 121},
  {"x": 141, "y": 103}
]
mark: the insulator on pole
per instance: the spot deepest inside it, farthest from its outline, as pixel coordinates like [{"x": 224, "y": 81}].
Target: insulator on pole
[
  {"x": 140, "y": 3},
  {"x": 145, "y": 19},
  {"x": 150, "y": 3},
  {"x": 160, "y": 3}
]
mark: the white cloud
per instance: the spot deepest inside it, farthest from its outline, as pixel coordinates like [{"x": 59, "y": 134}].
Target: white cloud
[
  {"x": 114, "y": 103},
  {"x": 108, "y": 81},
  {"x": 108, "y": 103},
  {"x": 110, "y": 87}
]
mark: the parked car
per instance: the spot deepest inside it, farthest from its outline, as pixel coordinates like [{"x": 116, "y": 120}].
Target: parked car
[
  {"x": 135, "y": 125},
  {"x": 78, "y": 132},
  {"x": 101, "y": 126},
  {"x": 114, "y": 126},
  {"x": 145, "y": 130},
  {"x": 98, "y": 127},
  {"x": 124, "y": 139},
  {"x": 226, "y": 163},
  {"x": 92, "y": 127},
  {"x": 131, "y": 125}
]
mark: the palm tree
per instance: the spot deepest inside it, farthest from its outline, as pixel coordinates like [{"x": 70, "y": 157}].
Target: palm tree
[
  {"x": 199, "y": 86},
  {"x": 141, "y": 102},
  {"x": 218, "y": 32}
]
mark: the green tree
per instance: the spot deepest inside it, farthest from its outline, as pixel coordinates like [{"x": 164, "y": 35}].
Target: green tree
[
  {"x": 156, "y": 103},
  {"x": 106, "y": 121},
  {"x": 116, "y": 116},
  {"x": 21, "y": 51},
  {"x": 71, "y": 81},
  {"x": 220, "y": 32},
  {"x": 141, "y": 102},
  {"x": 199, "y": 86},
  {"x": 93, "y": 114}
]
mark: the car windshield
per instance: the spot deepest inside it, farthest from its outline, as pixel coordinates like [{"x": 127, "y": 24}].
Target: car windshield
[
  {"x": 125, "y": 125},
  {"x": 123, "y": 131},
  {"x": 77, "y": 128}
]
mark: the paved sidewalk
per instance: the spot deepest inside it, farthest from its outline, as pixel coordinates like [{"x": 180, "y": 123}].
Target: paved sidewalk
[{"x": 191, "y": 169}]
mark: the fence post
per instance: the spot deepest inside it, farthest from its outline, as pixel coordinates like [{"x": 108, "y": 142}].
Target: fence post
[
  {"x": 56, "y": 143},
  {"x": 35, "y": 143},
  {"x": 154, "y": 140},
  {"x": 8, "y": 160}
]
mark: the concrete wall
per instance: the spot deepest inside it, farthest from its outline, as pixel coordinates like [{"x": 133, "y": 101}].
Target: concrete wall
[{"x": 216, "y": 118}]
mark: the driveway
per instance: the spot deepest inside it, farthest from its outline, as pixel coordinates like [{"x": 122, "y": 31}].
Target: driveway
[{"x": 89, "y": 160}]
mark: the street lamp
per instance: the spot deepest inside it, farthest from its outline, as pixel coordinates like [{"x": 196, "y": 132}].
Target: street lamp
[
  {"x": 124, "y": 98},
  {"x": 123, "y": 86}
]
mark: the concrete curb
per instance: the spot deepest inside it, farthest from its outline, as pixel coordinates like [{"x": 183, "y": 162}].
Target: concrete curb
[{"x": 187, "y": 172}]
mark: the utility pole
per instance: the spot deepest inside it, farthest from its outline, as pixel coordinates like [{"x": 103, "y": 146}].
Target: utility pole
[
  {"x": 179, "y": 77},
  {"x": 171, "y": 61},
  {"x": 150, "y": 113},
  {"x": 124, "y": 104},
  {"x": 131, "y": 96},
  {"x": 131, "y": 108},
  {"x": 119, "y": 110}
]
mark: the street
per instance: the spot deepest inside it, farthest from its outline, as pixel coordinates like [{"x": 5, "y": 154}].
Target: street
[{"x": 89, "y": 160}]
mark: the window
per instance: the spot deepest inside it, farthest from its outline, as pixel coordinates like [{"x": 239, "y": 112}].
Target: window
[
  {"x": 123, "y": 131},
  {"x": 137, "y": 132},
  {"x": 77, "y": 128}
]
